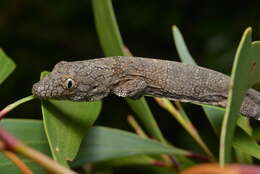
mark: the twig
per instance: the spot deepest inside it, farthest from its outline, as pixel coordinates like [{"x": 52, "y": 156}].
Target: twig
[
  {"x": 187, "y": 125},
  {"x": 167, "y": 159},
  {"x": 14, "y": 145},
  {"x": 138, "y": 129},
  {"x": 10, "y": 107},
  {"x": 17, "y": 161}
]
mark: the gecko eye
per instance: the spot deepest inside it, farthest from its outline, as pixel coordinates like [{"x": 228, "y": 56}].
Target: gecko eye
[{"x": 70, "y": 83}]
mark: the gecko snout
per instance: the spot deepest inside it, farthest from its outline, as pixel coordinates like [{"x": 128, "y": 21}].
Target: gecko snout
[
  {"x": 37, "y": 89},
  {"x": 45, "y": 90},
  {"x": 41, "y": 90}
]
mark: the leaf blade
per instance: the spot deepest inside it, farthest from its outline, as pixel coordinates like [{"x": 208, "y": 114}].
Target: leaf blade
[
  {"x": 214, "y": 115},
  {"x": 65, "y": 124},
  {"x": 112, "y": 45},
  {"x": 103, "y": 143},
  {"x": 245, "y": 143},
  {"x": 240, "y": 82},
  {"x": 181, "y": 47},
  {"x": 7, "y": 66}
]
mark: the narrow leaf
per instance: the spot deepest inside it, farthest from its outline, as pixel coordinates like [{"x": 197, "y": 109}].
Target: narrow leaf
[
  {"x": 112, "y": 45},
  {"x": 214, "y": 115},
  {"x": 186, "y": 57},
  {"x": 107, "y": 28},
  {"x": 103, "y": 143},
  {"x": 66, "y": 123},
  {"x": 185, "y": 123},
  {"x": 244, "y": 143},
  {"x": 7, "y": 66},
  {"x": 182, "y": 49},
  {"x": 142, "y": 110},
  {"x": 244, "y": 73}
]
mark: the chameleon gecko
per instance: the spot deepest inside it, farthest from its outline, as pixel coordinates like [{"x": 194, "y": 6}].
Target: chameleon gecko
[{"x": 92, "y": 80}]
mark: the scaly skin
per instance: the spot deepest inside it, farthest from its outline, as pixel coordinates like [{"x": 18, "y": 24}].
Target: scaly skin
[{"x": 92, "y": 80}]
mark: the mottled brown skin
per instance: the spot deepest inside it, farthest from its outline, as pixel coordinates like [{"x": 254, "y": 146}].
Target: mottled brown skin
[{"x": 92, "y": 80}]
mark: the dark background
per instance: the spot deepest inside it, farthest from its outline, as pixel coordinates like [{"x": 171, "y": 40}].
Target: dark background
[{"x": 36, "y": 34}]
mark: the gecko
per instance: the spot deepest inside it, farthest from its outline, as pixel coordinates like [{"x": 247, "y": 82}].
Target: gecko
[{"x": 134, "y": 77}]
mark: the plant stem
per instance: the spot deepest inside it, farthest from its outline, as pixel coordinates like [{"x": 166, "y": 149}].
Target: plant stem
[
  {"x": 106, "y": 25},
  {"x": 17, "y": 161},
  {"x": 138, "y": 129},
  {"x": 43, "y": 160},
  {"x": 131, "y": 120},
  {"x": 10, "y": 107},
  {"x": 12, "y": 144},
  {"x": 186, "y": 123}
]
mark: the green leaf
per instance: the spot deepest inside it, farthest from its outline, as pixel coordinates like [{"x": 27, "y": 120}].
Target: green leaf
[
  {"x": 106, "y": 25},
  {"x": 244, "y": 126},
  {"x": 7, "y": 66},
  {"x": 127, "y": 161},
  {"x": 30, "y": 132},
  {"x": 214, "y": 115},
  {"x": 254, "y": 66},
  {"x": 186, "y": 57},
  {"x": 103, "y": 143},
  {"x": 242, "y": 157},
  {"x": 243, "y": 123},
  {"x": 66, "y": 123},
  {"x": 112, "y": 45},
  {"x": 181, "y": 47},
  {"x": 142, "y": 110},
  {"x": 244, "y": 143},
  {"x": 244, "y": 75},
  {"x": 142, "y": 160}
]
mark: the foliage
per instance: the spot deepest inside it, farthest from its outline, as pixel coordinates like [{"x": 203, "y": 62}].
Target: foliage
[{"x": 67, "y": 135}]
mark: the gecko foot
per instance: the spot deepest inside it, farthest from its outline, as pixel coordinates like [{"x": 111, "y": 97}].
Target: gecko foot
[{"x": 133, "y": 88}]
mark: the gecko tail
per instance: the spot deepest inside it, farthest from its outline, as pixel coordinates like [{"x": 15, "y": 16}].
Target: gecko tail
[
  {"x": 253, "y": 95},
  {"x": 250, "y": 108}
]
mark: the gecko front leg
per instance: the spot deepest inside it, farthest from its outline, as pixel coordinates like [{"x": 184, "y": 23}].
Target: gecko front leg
[{"x": 133, "y": 88}]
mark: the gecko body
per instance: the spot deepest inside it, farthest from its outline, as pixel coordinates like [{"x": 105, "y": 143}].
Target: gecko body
[{"x": 92, "y": 80}]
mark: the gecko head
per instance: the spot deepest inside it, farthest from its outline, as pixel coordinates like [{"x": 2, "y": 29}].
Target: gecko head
[{"x": 68, "y": 81}]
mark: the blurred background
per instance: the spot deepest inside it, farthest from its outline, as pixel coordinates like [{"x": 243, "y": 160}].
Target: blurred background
[{"x": 38, "y": 34}]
